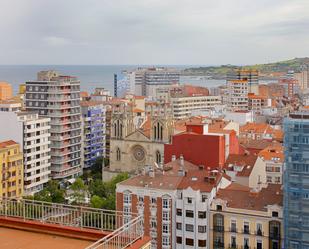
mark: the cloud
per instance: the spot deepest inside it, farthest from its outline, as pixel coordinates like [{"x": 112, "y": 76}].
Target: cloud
[{"x": 152, "y": 31}]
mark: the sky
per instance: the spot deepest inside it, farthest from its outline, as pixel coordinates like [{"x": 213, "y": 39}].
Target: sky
[{"x": 176, "y": 32}]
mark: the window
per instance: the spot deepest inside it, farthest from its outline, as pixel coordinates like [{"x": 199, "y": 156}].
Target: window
[
  {"x": 118, "y": 154},
  {"x": 179, "y": 240},
  {"x": 166, "y": 203},
  {"x": 246, "y": 227},
  {"x": 165, "y": 228},
  {"x": 246, "y": 243},
  {"x": 178, "y": 226},
  {"x": 259, "y": 230},
  {"x": 165, "y": 216},
  {"x": 158, "y": 157},
  {"x": 178, "y": 212},
  {"x": 189, "y": 242},
  {"x": 189, "y": 200},
  {"x": 204, "y": 198},
  {"x": 141, "y": 199},
  {"x": 233, "y": 242},
  {"x": 202, "y": 229},
  {"x": 153, "y": 224},
  {"x": 275, "y": 214},
  {"x": 127, "y": 198},
  {"x": 202, "y": 215},
  {"x": 189, "y": 228},
  {"x": 219, "y": 208},
  {"x": 259, "y": 244},
  {"x": 153, "y": 200},
  {"x": 233, "y": 226},
  {"x": 189, "y": 213},
  {"x": 165, "y": 240},
  {"x": 202, "y": 243}
]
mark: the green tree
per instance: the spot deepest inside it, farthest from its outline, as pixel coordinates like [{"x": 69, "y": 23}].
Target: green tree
[
  {"x": 78, "y": 189},
  {"x": 96, "y": 202},
  {"x": 51, "y": 193}
]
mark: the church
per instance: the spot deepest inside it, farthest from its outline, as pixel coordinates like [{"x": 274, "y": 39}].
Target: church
[{"x": 138, "y": 136}]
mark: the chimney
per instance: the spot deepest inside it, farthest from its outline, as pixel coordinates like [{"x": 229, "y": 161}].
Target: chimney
[
  {"x": 182, "y": 161},
  {"x": 173, "y": 158}
]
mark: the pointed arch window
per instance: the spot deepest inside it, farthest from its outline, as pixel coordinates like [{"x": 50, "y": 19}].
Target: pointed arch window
[
  {"x": 158, "y": 157},
  {"x": 118, "y": 154}
]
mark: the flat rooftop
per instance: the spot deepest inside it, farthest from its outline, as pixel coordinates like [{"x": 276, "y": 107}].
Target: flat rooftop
[{"x": 18, "y": 239}]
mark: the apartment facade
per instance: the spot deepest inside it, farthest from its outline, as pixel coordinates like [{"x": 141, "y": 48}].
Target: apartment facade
[
  {"x": 11, "y": 166},
  {"x": 273, "y": 156},
  {"x": 237, "y": 95},
  {"x": 94, "y": 131},
  {"x": 6, "y": 91},
  {"x": 251, "y": 76},
  {"x": 58, "y": 97},
  {"x": 244, "y": 219},
  {"x": 175, "y": 201},
  {"x": 184, "y": 107},
  {"x": 33, "y": 134},
  {"x": 296, "y": 178}
]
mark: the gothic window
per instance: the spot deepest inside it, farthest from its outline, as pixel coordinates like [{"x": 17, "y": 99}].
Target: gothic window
[
  {"x": 118, "y": 154},
  {"x": 158, "y": 131},
  {"x": 158, "y": 157}
]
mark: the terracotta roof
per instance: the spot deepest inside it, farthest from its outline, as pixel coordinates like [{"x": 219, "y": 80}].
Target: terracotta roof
[
  {"x": 139, "y": 97},
  {"x": 90, "y": 103},
  {"x": 256, "y": 144},
  {"x": 84, "y": 94},
  {"x": 244, "y": 199},
  {"x": 275, "y": 150},
  {"x": 135, "y": 110},
  {"x": 245, "y": 161},
  {"x": 5, "y": 144},
  {"x": 170, "y": 179}
]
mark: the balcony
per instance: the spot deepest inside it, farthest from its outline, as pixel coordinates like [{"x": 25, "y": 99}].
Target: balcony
[
  {"x": 259, "y": 233},
  {"x": 245, "y": 231},
  {"x": 233, "y": 246},
  {"x": 218, "y": 228},
  {"x": 218, "y": 245},
  {"x": 233, "y": 230}
]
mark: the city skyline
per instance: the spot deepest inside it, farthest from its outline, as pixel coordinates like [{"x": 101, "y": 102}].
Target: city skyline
[{"x": 172, "y": 32}]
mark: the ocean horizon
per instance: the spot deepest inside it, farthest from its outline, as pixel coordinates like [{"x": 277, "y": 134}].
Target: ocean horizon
[{"x": 91, "y": 76}]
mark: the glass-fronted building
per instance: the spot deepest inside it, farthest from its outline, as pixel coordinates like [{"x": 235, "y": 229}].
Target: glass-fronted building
[{"x": 296, "y": 181}]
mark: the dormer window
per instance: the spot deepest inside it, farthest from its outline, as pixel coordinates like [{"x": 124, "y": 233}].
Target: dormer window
[
  {"x": 275, "y": 214},
  {"x": 219, "y": 208}
]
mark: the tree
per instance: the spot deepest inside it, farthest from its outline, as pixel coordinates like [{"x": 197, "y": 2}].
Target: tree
[
  {"x": 96, "y": 202},
  {"x": 51, "y": 193},
  {"x": 78, "y": 189}
]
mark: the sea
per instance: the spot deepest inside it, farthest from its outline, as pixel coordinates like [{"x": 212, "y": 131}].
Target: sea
[{"x": 91, "y": 76}]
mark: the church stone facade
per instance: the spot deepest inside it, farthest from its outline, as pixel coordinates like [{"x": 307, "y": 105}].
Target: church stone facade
[{"x": 135, "y": 146}]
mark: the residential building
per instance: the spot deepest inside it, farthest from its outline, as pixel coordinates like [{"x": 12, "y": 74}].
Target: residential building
[
  {"x": 145, "y": 81},
  {"x": 58, "y": 97},
  {"x": 290, "y": 86},
  {"x": 6, "y": 91},
  {"x": 256, "y": 102},
  {"x": 251, "y": 76},
  {"x": 175, "y": 201},
  {"x": 12, "y": 170},
  {"x": 10, "y": 105},
  {"x": 247, "y": 170},
  {"x": 296, "y": 176},
  {"x": 94, "y": 131},
  {"x": 237, "y": 95},
  {"x": 260, "y": 131},
  {"x": 274, "y": 158},
  {"x": 33, "y": 135},
  {"x": 242, "y": 218},
  {"x": 303, "y": 77}
]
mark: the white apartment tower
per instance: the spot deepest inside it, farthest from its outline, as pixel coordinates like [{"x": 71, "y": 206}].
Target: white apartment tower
[
  {"x": 237, "y": 95},
  {"x": 32, "y": 133},
  {"x": 58, "y": 97}
]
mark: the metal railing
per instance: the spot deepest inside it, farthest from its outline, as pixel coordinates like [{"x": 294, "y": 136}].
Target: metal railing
[
  {"x": 123, "y": 237},
  {"x": 64, "y": 215}
]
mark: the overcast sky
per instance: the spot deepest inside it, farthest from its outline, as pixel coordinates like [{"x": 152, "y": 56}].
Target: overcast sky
[{"x": 152, "y": 31}]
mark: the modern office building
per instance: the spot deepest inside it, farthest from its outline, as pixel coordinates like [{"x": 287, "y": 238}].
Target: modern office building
[
  {"x": 58, "y": 97},
  {"x": 94, "y": 131},
  {"x": 32, "y": 133},
  {"x": 296, "y": 180},
  {"x": 6, "y": 91},
  {"x": 12, "y": 170},
  {"x": 251, "y": 76}
]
